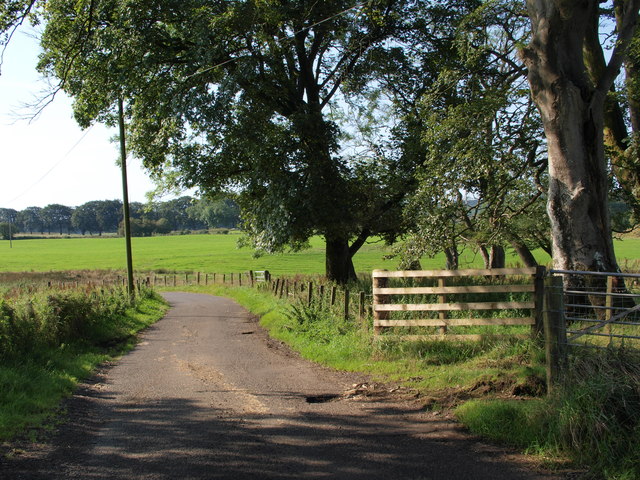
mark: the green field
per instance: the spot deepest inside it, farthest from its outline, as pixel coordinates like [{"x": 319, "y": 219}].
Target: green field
[{"x": 215, "y": 253}]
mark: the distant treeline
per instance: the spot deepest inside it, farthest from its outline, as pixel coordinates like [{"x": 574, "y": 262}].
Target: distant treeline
[{"x": 106, "y": 216}]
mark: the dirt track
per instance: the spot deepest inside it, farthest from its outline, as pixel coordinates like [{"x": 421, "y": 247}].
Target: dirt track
[{"x": 207, "y": 394}]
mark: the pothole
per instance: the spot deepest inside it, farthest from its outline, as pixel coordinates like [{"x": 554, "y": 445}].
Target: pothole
[{"x": 321, "y": 398}]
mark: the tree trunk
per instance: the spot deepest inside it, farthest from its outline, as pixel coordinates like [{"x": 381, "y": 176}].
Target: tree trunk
[
  {"x": 625, "y": 160},
  {"x": 497, "y": 257},
  {"x": 485, "y": 256},
  {"x": 524, "y": 253},
  {"x": 339, "y": 263},
  {"x": 572, "y": 111},
  {"x": 453, "y": 258}
]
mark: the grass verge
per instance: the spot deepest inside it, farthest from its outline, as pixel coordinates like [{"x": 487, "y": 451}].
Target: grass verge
[
  {"x": 52, "y": 341},
  {"x": 593, "y": 418}
]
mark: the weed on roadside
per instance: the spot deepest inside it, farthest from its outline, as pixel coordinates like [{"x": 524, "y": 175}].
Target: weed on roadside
[{"x": 51, "y": 340}]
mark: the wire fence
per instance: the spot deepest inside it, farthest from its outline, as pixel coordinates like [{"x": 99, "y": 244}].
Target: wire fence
[{"x": 601, "y": 309}]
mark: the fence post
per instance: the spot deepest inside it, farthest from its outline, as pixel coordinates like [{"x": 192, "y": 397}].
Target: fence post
[
  {"x": 555, "y": 334},
  {"x": 310, "y": 293},
  {"x": 442, "y": 299},
  {"x": 240, "y": 279},
  {"x": 346, "y": 304},
  {"x": 206, "y": 279},
  {"x": 378, "y": 299},
  {"x": 333, "y": 295},
  {"x": 538, "y": 285},
  {"x": 251, "y": 277},
  {"x": 608, "y": 304},
  {"x": 361, "y": 306}
]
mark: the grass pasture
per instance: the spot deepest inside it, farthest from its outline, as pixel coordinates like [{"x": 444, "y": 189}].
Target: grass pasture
[
  {"x": 205, "y": 253},
  {"x": 221, "y": 254}
]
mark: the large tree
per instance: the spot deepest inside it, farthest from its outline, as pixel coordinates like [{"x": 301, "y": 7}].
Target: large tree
[
  {"x": 84, "y": 218},
  {"x": 216, "y": 212},
  {"x": 8, "y": 215},
  {"x": 30, "y": 219},
  {"x": 237, "y": 95},
  {"x": 572, "y": 107},
  {"x": 459, "y": 94},
  {"x": 58, "y": 217},
  {"x": 108, "y": 215}
]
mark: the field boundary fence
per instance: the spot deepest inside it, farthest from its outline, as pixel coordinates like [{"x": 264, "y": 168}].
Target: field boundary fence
[
  {"x": 594, "y": 310},
  {"x": 352, "y": 303},
  {"x": 599, "y": 310}
]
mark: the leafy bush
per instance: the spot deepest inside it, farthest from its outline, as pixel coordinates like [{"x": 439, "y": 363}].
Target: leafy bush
[{"x": 51, "y": 339}]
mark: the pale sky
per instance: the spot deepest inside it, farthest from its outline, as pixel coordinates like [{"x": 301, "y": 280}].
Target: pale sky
[{"x": 51, "y": 160}]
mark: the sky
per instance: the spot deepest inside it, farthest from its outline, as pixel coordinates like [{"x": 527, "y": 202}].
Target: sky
[{"x": 50, "y": 159}]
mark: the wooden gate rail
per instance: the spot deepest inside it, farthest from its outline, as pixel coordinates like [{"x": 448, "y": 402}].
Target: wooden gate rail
[{"x": 383, "y": 306}]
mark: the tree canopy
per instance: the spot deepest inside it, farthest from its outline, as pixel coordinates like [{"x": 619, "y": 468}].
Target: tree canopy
[{"x": 237, "y": 96}]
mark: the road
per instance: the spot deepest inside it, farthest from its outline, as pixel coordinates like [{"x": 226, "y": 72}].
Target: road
[{"x": 208, "y": 395}]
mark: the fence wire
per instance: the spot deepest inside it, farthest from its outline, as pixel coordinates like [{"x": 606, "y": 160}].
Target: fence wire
[{"x": 602, "y": 309}]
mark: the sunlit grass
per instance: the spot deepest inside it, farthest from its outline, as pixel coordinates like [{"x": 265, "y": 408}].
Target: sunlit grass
[
  {"x": 205, "y": 253},
  {"x": 35, "y": 377}
]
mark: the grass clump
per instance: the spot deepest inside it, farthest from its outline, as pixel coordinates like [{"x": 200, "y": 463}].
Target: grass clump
[
  {"x": 593, "y": 417},
  {"x": 51, "y": 340}
]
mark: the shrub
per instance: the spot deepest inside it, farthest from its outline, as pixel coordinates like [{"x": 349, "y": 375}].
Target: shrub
[{"x": 49, "y": 319}]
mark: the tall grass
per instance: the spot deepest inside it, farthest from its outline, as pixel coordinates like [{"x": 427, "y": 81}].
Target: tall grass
[
  {"x": 50, "y": 340},
  {"x": 593, "y": 418}
]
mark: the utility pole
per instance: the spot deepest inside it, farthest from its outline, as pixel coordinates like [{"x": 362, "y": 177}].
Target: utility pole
[{"x": 125, "y": 198}]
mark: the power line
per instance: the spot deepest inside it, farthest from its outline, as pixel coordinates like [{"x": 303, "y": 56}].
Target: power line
[{"x": 65, "y": 156}]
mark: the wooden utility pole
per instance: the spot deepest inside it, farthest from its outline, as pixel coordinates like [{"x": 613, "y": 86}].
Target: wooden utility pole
[{"x": 125, "y": 198}]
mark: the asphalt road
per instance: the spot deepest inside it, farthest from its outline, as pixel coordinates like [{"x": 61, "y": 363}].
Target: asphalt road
[{"x": 208, "y": 395}]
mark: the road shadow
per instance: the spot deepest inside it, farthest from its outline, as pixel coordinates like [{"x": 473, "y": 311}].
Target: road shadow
[{"x": 175, "y": 438}]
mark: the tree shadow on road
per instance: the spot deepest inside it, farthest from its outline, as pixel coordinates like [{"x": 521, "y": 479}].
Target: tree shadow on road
[{"x": 177, "y": 439}]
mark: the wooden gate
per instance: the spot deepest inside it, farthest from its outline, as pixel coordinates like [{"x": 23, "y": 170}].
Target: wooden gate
[{"x": 434, "y": 294}]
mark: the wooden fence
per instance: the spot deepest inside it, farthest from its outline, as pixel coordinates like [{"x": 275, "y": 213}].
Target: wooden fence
[
  {"x": 351, "y": 304},
  {"x": 447, "y": 288}
]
